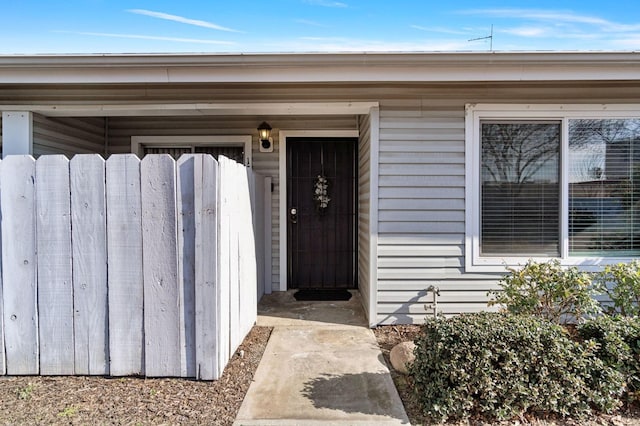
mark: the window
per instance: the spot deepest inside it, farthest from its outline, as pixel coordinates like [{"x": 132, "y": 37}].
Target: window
[
  {"x": 520, "y": 202},
  {"x": 552, "y": 182},
  {"x": 235, "y": 147},
  {"x": 235, "y": 153},
  {"x": 604, "y": 187}
]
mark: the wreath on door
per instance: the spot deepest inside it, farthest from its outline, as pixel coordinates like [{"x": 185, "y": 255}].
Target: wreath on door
[
  {"x": 321, "y": 193},
  {"x": 321, "y": 187}
]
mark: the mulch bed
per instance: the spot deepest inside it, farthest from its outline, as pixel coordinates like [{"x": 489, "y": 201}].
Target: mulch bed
[
  {"x": 104, "y": 401},
  {"x": 100, "y": 400}
]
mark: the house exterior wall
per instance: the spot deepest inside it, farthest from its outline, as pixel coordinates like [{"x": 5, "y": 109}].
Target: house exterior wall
[
  {"x": 68, "y": 135},
  {"x": 421, "y": 238},
  {"x": 421, "y": 163},
  {"x": 122, "y": 128}
]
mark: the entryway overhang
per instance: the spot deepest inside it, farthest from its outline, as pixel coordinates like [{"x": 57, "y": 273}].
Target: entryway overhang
[{"x": 187, "y": 109}]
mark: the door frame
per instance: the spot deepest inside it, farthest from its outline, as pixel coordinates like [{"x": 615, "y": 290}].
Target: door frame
[{"x": 283, "y": 135}]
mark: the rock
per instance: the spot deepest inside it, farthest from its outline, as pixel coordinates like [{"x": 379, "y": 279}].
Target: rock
[{"x": 402, "y": 356}]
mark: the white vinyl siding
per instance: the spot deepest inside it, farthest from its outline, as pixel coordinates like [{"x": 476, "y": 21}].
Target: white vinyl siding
[
  {"x": 68, "y": 135},
  {"x": 421, "y": 213}
]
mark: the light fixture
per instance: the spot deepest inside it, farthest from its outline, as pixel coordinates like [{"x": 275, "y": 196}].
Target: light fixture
[{"x": 264, "y": 133}]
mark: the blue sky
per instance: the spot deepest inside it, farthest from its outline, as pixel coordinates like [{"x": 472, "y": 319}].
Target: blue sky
[{"x": 242, "y": 26}]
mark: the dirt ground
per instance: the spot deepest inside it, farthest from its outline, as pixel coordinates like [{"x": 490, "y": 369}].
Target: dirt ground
[
  {"x": 137, "y": 401},
  {"x": 133, "y": 401}
]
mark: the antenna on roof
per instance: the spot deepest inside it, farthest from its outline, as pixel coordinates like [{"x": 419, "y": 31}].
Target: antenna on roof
[{"x": 489, "y": 37}]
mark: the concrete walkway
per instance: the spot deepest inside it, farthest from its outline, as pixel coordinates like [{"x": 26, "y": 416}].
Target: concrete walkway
[{"x": 322, "y": 365}]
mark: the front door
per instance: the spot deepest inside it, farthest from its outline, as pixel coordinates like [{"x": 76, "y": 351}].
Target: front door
[{"x": 321, "y": 210}]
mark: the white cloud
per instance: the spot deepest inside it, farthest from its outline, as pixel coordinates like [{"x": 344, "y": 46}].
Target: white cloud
[
  {"x": 181, "y": 19},
  {"x": 310, "y": 23},
  {"x": 344, "y": 44},
  {"x": 326, "y": 3},
  {"x": 556, "y": 16},
  {"x": 148, "y": 37},
  {"x": 632, "y": 42},
  {"x": 440, "y": 30},
  {"x": 528, "y": 31}
]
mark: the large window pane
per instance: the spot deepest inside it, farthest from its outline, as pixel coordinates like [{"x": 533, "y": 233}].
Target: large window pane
[
  {"x": 604, "y": 187},
  {"x": 520, "y": 188}
]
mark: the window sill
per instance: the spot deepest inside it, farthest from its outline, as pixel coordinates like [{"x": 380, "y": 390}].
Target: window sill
[{"x": 499, "y": 264}]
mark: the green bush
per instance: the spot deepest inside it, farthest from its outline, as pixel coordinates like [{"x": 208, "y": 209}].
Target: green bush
[
  {"x": 549, "y": 291},
  {"x": 500, "y": 366},
  {"x": 618, "y": 346},
  {"x": 621, "y": 283}
]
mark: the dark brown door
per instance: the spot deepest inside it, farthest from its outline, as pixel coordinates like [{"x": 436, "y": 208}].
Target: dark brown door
[{"x": 321, "y": 234}]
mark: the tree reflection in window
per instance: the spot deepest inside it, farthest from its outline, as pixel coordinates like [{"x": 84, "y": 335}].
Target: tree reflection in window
[
  {"x": 604, "y": 187},
  {"x": 520, "y": 197}
]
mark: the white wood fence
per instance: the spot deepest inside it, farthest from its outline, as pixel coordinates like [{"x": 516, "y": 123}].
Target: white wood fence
[{"x": 127, "y": 267}]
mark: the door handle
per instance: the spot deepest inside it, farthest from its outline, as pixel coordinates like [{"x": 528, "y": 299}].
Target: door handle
[{"x": 293, "y": 215}]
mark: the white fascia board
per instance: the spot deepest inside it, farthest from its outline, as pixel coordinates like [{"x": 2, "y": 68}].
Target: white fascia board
[
  {"x": 254, "y": 108},
  {"x": 314, "y": 68}
]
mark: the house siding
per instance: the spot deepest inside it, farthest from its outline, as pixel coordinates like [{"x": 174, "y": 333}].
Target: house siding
[
  {"x": 122, "y": 128},
  {"x": 421, "y": 225},
  {"x": 68, "y": 135},
  {"x": 421, "y": 162},
  {"x": 364, "y": 205}
]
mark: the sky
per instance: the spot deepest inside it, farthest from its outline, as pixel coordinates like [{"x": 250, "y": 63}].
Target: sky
[{"x": 243, "y": 26}]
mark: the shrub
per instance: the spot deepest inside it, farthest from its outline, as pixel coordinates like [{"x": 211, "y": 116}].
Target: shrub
[
  {"x": 499, "y": 366},
  {"x": 618, "y": 346},
  {"x": 549, "y": 291},
  {"x": 621, "y": 283}
]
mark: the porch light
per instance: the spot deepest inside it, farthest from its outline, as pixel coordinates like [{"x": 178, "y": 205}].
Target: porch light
[{"x": 264, "y": 132}]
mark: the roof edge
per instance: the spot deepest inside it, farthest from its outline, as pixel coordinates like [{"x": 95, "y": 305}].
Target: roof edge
[
  {"x": 303, "y": 59},
  {"x": 319, "y": 67}
]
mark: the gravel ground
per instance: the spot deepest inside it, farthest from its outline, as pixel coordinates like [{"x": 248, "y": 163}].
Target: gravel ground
[
  {"x": 133, "y": 401},
  {"x": 389, "y": 336}
]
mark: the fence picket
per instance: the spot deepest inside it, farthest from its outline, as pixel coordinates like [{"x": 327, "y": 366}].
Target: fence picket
[
  {"x": 161, "y": 296},
  {"x": 225, "y": 188},
  {"x": 55, "y": 281},
  {"x": 257, "y": 203},
  {"x": 207, "y": 296},
  {"x": 264, "y": 250},
  {"x": 186, "y": 262},
  {"x": 126, "y": 267},
  {"x": 234, "y": 249},
  {"x": 247, "y": 255},
  {"x": 89, "y": 239},
  {"x": 19, "y": 279},
  {"x": 3, "y": 360},
  {"x": 124, "y": 254}
]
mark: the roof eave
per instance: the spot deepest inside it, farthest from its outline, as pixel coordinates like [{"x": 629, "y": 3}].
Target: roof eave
[{"x": 320, "y": 67}]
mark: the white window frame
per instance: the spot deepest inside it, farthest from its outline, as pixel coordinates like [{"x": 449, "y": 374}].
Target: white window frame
[
  {"x": 138, "y": 143},
  {"x": 475, "y": 113}
]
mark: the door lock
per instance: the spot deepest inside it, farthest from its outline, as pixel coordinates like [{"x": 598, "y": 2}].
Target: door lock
[{"x": 293, "y": 215}]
